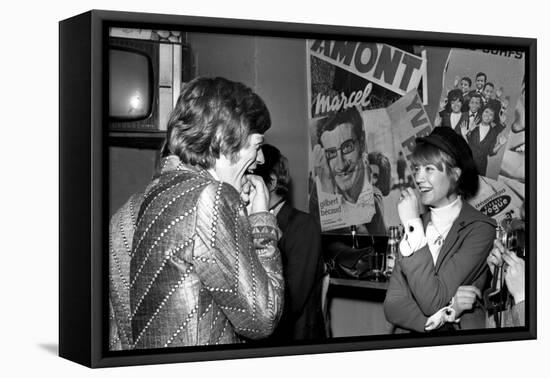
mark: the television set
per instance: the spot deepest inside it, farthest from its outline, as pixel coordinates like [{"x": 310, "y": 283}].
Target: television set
[
  {"x": 131, "y": 85},
  {"x": 146, "y": 68}
]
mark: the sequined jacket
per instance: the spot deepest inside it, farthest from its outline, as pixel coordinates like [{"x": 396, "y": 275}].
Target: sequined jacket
[
  {"x": 202, "y": 271},
  {"x": 121, "y": 233}
]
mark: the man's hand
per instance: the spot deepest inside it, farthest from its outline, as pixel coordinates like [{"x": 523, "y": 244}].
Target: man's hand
[
  {"x": 514, "y": 275},
  {"x": 255, "y": 194},
  {"x": 464, "y": 299},
  {"x": 494, "y": 260}
]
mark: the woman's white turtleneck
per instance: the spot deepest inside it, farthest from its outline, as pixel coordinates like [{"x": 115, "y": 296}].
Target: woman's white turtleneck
[{"x": 442, "y": 219}]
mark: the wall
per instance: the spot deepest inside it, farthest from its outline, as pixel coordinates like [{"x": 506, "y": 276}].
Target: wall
[
  {"x": 272, "y": 67},
  {"x": 275, "y": 68},
  {"x": 282, "y": 84},
  {"x": 130, "y": 170}
]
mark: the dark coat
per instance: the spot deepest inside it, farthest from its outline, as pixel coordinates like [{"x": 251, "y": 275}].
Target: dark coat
[
  {"x": 303, "y": 271},
  {"x": 446, "y": 119},
  {"x": 481, "y": 150},
  {"x": 418, "y": 289}
]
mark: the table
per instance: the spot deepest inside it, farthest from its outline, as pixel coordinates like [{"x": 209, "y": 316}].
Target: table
[{"x": 355, "y": 307}]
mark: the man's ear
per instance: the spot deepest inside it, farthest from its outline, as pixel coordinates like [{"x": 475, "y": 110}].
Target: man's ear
[{"x": 363, "y": 141}]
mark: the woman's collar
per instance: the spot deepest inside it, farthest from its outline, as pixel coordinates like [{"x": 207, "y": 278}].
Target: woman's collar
[
  {"x": 456, "y": 203},
  {"x": 446, "y": 214}
]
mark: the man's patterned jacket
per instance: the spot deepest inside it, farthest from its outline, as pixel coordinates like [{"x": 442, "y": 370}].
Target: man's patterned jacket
[{"x": 199, "y": 271}]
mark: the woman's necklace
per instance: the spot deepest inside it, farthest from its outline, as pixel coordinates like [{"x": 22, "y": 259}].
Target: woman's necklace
[{"x": 440, "y": 239}]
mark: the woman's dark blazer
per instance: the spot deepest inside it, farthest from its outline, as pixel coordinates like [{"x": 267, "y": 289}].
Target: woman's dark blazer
[{"x": 418, "y": 289}]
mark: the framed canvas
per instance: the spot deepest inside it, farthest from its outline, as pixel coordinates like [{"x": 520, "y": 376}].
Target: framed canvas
[{"x": 121, "y": 76}]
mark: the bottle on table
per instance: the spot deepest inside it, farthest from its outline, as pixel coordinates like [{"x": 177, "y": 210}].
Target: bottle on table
[
  {"x": 354, "y": 241},
  {"x": 391, "y": 250},
  {"x": 377, "y": 265}
]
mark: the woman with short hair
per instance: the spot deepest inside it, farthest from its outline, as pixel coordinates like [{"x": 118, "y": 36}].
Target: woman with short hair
[{"x": 444, "y": 248}]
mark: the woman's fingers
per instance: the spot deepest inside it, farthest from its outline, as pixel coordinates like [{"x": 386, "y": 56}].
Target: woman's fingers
[
  {"x": 474, "y": 290},
  {"x": 465, "y": 304},
  {"x": 407, "y": 193},
  {"x": 470, "y": 293}
]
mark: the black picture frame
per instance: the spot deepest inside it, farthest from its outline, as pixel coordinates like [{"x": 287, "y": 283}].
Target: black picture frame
[{"x": 83, "y": 181}]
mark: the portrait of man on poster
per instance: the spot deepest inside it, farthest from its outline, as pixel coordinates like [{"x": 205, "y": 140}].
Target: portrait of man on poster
[{"x": 342, "y": 173}]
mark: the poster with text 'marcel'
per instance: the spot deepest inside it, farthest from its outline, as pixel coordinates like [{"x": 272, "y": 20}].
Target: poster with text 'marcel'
[{"x": 354, "y": 159}]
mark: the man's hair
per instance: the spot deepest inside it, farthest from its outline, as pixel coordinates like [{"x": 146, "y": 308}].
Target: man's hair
[
  {"x": 475, "y": 95},
  {"x": 491, "y": 106},
  {"x": 277, "y": 164},
  {"x": 213, "y": 117},
  {"x": 349, "y": 115},
  {"x": 489, "y": 84},
  {"x": 467, "y": 79},
  {"x": 481, "y": 74}
]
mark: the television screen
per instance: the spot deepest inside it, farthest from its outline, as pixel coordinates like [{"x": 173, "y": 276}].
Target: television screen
[{"x": 130, "y": 88}]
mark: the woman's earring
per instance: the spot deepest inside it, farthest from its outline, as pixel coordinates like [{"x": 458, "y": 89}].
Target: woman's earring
[{"x": 457, "y": 172}]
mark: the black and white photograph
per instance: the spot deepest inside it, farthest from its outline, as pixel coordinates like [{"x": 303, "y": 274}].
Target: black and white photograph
[
  {"x": 260, "y": 194},
  {"x": 265, "y": 190}
]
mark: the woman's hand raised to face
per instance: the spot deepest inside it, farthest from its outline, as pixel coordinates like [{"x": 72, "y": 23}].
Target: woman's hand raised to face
[
  {"x": 255, "y": 194},
  {"x": 408, "y": 206}
]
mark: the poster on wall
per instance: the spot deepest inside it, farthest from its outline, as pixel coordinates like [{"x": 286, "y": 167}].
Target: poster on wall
[
  {"x": 354, "y": 149},
  {"x": 367, "y": 102},
  {"x": 481, "y": 99}
]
